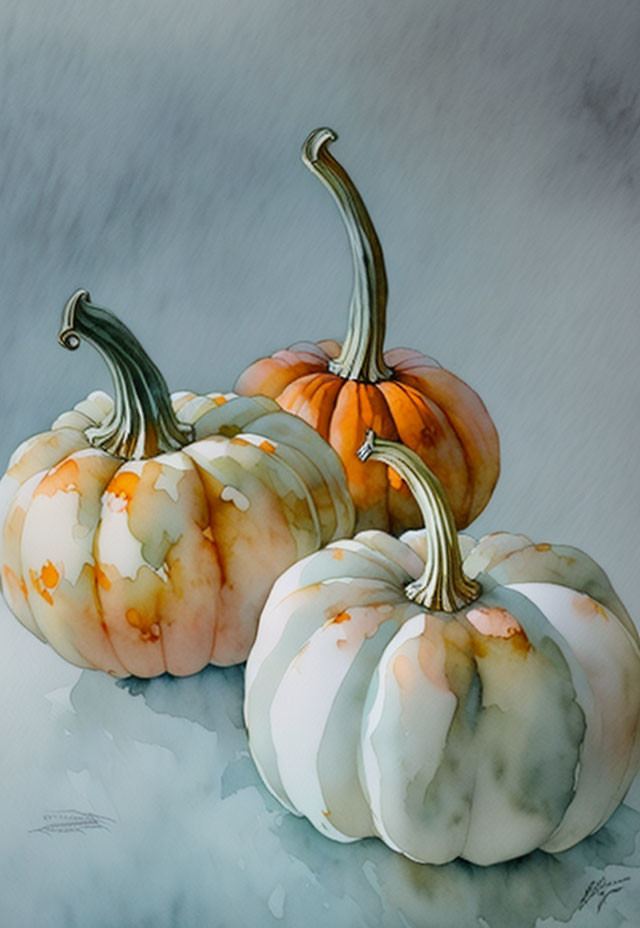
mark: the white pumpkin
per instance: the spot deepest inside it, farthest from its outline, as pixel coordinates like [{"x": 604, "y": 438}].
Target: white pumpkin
[
  {"x": 390, "y": 694},
  {"x": 141, "y": 534}
]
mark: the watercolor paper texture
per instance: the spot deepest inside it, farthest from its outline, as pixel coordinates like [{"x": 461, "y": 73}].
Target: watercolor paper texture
[{"x": 151, "y": 154}]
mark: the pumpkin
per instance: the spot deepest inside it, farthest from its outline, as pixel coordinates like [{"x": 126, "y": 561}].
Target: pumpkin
[
  {"x": 401, "y": 393},
  {"x": 455, "y": 698},
  {"x": 142, "y": 535}
]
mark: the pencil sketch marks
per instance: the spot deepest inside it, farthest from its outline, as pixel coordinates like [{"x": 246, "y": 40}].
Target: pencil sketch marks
[
  {"x": 601, "y": 890},
  {"x": 70, "y": 820}
]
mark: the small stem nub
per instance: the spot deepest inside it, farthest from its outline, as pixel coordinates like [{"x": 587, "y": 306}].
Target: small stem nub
[
  {"x": 361, "y": 357},
  {"x": 443, "y": 586},
  {"x": 142, "y": 423}
]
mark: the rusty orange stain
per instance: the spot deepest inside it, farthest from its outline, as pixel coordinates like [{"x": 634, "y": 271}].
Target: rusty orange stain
[
  {"x": 63, "y": 478},
  {"x": 238, "y": 441},
  {"x": 122, "y": 487},
  {"x": 543, "y": 547},
  {"x": 267, "y": 446},
  {"x": 520, "y": 642},
  {"x": 395, "y": 480},
  {"x": 337, "y": 554},
  {"x": 325, "y": 813},
  {"x": 479, "y": 647},
  {"x": 101, "y": 578},
  {"x": 219, "y": 400},
  {"x": 208, "y": 533}
]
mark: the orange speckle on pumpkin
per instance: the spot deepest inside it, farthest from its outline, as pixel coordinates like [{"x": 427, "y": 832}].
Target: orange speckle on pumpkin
[
  {"x": 341, "y": 617},
  {"x": 543, "y": 547},
  {"x": 267, "y": 446},
  {"x": 219, "y": 400},
  {"x": 147, "y": 632},
  {"x": 337, "y": 554},
  {"x": 101, "y": 578},
  {"x": 60, "y": 479},
  {"x": 394, "y": 478},
  {"x": 39, "y": 584},
  {"x": 238, "y": 441},
  {"x": 134, "y": 618},
  {"x": 50, "y": 575},
  {"x": 120, "y": 490},
  {"x": 325, "y": 813}
]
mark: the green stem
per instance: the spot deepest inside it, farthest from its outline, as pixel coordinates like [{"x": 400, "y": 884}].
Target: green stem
[
  {"x": 361, "y": 357},
  {"x": 444, "y": 586},
  {"x": 143, "y": 422}
]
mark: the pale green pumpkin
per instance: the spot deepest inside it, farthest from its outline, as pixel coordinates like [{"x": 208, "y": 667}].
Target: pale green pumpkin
[{"x": 455, "y": 698}]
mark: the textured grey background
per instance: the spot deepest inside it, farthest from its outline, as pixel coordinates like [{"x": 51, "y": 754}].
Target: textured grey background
[{"x": 150, "y": 152}]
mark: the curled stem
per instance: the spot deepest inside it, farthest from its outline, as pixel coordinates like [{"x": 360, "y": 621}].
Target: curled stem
[
  {"x": 443, "y": 586},
  {"x": 361, "y": 357},
  {"x": 143, "y": 422}
]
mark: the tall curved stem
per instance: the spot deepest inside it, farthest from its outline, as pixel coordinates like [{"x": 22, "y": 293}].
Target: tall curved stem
[
  {"x": 443, "y": 586},
  {"x": 361, "y": 357},
  {"x": 143, "y": 422}
]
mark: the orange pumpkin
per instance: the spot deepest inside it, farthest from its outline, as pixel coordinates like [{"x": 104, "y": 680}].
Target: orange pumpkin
[{"x": 342, "y": 391}]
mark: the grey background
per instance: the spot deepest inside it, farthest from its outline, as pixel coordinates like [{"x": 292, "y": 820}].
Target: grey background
[{"x": 150, "y": 152}]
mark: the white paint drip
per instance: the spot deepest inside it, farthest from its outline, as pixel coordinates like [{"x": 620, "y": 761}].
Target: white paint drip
[{"x": 233, "y": 495}]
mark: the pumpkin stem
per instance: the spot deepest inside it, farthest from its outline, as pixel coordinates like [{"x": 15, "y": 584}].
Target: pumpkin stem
[
  {"x": 361, "y": 356},
  {"x": 143, "y": 422},
  {"x": 444, "y": 586}
]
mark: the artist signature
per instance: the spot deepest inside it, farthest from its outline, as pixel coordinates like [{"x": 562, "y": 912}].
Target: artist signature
[
  {"x": 601, "y": 889},
  {"x": 68, "y": 820}
]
